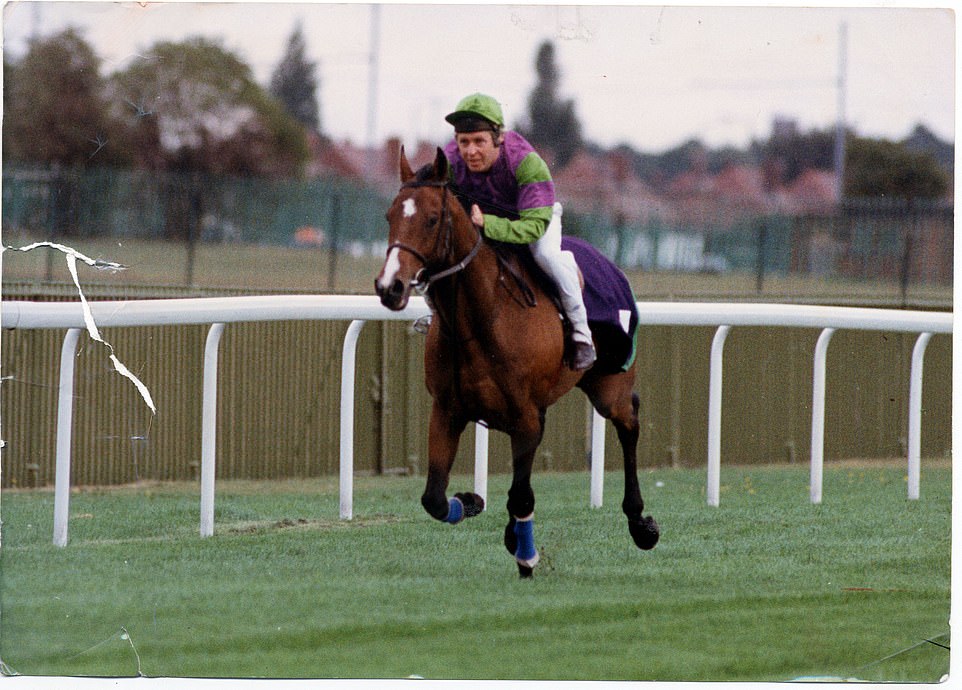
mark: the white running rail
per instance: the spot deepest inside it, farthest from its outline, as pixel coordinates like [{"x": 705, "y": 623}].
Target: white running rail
[{"x": 219, "y": 311}]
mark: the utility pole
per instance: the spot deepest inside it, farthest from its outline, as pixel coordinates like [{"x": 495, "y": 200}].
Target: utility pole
[
  {"x": 35, "y": 21},
  {"x": 372, "y": 75},
  {"x": 840, "y": 114}
]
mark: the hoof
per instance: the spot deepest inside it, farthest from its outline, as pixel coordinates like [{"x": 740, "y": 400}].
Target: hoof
[
  {"x": 524, "y": 572},
  {"x": 473, "y": 504},
  {"x": 645, "y": 532}
]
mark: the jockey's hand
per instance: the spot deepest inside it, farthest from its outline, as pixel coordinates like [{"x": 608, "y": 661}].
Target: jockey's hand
[{"x": 477, "y": 217}]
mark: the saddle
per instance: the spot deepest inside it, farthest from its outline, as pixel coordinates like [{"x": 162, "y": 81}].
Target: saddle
[{"x": 609, "y": 301}]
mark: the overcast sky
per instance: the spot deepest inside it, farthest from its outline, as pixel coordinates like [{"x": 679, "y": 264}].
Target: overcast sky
[{"x": 649, "y": 76}]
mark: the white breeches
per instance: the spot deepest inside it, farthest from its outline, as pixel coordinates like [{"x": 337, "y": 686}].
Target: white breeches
[{"x": 561, "y": 267}]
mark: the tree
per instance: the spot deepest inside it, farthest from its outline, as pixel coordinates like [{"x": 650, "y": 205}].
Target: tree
[
  {"x": 294, "y": 83},
  {"x": 552, "y": 123},
  {"x": 10, "y": 72},
  {"x": 692, "y": 155},
  {"x": 55, "y": 117},
  {"x": 195, "y": 106},
  {"x": 794, "y": 152},
  {"x": 923, "y": 140},
  {"x": 54, "y": 108},
  {"x": 877, "y": 167}
]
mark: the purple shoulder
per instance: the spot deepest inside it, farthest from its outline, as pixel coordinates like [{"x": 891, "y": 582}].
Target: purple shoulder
[
  {"x": 516, "y": 148},
  {"x": 451, "y": 152}
]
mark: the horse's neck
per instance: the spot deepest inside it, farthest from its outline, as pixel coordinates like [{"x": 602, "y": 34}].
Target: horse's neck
[
  {"x": 469, "y": 299},
  {"x": 472, "y": 301}
]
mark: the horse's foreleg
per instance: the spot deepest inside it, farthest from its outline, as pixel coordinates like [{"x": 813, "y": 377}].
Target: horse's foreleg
[
  {"x": 444, "y": 434},
  {"x": 519, "y": 532}
]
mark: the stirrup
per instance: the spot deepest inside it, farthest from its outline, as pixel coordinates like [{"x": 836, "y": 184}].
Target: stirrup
[{"x": 422, "y": 324}]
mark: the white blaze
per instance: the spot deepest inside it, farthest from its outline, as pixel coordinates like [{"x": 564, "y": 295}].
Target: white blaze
[
  {"x": 391, "y": 266},
  {"x": 409, "y": 208}
]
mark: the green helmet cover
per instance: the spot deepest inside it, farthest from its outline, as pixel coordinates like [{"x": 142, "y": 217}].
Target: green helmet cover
[{"x": 477, "y": 105}]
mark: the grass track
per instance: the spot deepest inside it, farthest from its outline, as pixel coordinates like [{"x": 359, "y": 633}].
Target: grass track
[{"x": 767, "y": 587}]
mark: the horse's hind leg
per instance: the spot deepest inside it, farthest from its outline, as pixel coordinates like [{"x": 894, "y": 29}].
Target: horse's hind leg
[
  {"x": 644, "y": 530},
  {"x": 614, "y": 399},
  {"x": 519, "y": 532},
  {"x": 444, "y": 434}
]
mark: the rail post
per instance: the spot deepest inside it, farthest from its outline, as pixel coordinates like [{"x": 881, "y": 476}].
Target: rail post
[
  {"x": 713, "y": 487},
  {"x": 208, "y": 451},
  {"x": 481, "y": 462},
  {"x": 348, "y": 359},
  {"x": 915, "y": 415},
  {"x": 61, "y": 501},
  {"x": 597, "y": 459},
  {"x": 818, "y": 414}
]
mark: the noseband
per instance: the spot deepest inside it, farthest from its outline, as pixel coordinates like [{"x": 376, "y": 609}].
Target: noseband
[{"x": 422, "y": 279}]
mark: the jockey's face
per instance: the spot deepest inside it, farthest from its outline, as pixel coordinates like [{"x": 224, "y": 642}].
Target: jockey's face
[{"x": 478, "y": 149}]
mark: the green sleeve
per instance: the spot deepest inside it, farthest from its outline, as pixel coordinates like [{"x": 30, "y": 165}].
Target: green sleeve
[
  {"x": 532, "y": 176},
  {"x": 525, "y": 230}
]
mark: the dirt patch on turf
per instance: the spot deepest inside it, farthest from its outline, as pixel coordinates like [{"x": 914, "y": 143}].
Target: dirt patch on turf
[
  {"x": 873, "y": 463},
  {"x": 262, "y": 526}
]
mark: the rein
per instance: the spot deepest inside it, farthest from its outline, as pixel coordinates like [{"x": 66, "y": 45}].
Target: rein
[{"x": 422, "y": 283}]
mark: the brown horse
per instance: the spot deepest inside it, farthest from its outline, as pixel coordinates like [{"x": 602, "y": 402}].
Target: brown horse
[{"x": 490, "y": 356}]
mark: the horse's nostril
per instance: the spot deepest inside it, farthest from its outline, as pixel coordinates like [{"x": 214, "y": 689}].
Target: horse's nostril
[{"x": 392, "y": 294}]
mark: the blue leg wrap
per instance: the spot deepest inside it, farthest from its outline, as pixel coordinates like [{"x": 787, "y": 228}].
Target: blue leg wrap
[
  {"x": 524, "y": 531},
  {"x": 455, "y": 511}
]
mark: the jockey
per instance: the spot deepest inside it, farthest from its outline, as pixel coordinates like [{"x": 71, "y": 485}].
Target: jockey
[{"x": 514, "y": 201}]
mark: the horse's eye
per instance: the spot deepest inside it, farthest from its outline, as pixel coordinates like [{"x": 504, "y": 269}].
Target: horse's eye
[{"x": 432, "y": 221}]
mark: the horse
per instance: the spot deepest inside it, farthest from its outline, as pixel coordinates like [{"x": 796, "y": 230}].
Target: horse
[{"x": 491, "y": 356}]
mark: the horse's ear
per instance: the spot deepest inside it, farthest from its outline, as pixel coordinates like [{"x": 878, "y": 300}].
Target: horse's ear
[
  {"x": 406, "y": 173},
  {"x": 440, "y": 165}
]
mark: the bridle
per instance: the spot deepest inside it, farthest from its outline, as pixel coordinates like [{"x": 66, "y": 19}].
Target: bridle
[{"x": 423, "y": 280}]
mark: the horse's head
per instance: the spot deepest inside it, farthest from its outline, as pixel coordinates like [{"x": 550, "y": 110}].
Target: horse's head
[{"x": 419, "y": 233}]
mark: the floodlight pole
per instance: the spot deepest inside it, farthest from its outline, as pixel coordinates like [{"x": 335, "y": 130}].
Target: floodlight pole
[
  {"x": 372, "y": 76},
  {"x": 839, "y": 152}
]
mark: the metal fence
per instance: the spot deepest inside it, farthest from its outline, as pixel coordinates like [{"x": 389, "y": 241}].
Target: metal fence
[
  {"x": 191, "y": 208},
  {"x": 138, "y": 203},
  {"x": 220, "y": 311},
  {"x": 864, "y": 238},
  {"x": 281, "y": 381}
]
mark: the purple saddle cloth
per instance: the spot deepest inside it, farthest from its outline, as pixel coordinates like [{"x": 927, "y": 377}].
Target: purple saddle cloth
[{"x": 610, "y": 303}]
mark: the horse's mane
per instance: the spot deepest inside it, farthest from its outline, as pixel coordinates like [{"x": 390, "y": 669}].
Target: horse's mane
[{"x": 426, "y": 174}]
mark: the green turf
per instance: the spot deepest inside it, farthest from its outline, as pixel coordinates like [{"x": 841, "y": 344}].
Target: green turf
[{"x": 767, "y": 587}]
